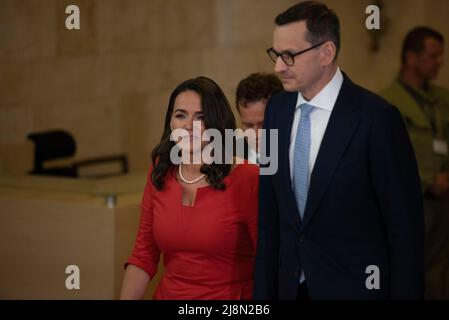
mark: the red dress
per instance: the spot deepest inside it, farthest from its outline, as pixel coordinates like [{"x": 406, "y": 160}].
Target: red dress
[{"x": 208, "y": 249}]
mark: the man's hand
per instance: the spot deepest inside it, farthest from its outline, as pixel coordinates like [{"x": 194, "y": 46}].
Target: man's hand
[{"x": 440, "y": 187}]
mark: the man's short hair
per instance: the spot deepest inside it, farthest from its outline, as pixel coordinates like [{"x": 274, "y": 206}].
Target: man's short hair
[
  {"x": 415, "y": 40},
  {"x": 322, "y": 23},
  {"x": 257, "y": 86}
]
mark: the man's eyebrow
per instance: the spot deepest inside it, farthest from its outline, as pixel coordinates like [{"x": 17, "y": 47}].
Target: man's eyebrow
[{"x": 288, "y": 50}]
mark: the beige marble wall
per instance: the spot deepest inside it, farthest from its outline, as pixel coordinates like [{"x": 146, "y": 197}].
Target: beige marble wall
[{"x": 108, "y": 83}]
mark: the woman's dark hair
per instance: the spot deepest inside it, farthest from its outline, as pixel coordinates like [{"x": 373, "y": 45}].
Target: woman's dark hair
[
  {"x": 217, "y": 115},
  {"x": 322, "y": 22}
]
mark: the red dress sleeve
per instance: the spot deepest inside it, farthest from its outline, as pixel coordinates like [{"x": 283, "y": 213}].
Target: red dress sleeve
[
  {"x": 253, "y": 210},
  {"x": 252, "y": 214},
  {"x": 146, "y": 253}
]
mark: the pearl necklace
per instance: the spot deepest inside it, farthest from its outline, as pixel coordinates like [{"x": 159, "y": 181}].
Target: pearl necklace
[{"x": 189, "y": 181}]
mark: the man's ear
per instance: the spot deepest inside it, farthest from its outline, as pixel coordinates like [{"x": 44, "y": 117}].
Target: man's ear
[
  {"x": 411, "y": 58},
  {"x": 329, "y": 51}
]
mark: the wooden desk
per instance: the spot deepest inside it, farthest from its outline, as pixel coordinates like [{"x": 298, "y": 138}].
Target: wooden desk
[{"x": 49, "y": 223}]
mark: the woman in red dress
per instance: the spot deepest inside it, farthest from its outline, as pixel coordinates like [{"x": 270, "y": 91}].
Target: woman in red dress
[{"x": 201, "y": 217}]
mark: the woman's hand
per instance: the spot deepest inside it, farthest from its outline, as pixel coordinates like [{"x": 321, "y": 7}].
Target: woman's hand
[{"x": 135, "y": 283}]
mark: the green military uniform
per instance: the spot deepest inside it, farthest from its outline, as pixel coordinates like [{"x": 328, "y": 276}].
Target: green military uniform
[{"x": 426, "y": 114}]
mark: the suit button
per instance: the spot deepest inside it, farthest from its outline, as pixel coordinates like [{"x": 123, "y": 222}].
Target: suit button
[{"x": 301, "y": 239}]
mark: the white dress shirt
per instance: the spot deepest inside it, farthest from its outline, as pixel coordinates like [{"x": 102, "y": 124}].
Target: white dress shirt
[
  {"x": 324, "y": 103},
  {"x": 253, "y": 156}
]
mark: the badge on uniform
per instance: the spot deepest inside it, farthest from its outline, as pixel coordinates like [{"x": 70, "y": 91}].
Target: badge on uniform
[{"x": 440, "y": 147}]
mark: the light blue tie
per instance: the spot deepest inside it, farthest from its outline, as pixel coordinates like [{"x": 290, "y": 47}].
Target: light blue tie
[{"x": 301, "y": 158}]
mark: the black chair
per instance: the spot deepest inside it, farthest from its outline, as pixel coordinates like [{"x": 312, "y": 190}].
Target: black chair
[{"x": 59, "y": 144}]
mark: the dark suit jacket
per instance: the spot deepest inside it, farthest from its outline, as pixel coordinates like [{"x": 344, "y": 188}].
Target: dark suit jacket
[{"x": 364, "y": 207}]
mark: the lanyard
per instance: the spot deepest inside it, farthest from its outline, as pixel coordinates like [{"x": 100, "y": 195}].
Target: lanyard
[{"x": 427, "y": 107}]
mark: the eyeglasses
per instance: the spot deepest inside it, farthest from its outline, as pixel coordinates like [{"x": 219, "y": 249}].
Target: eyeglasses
[{"x": 288, "y": 57}]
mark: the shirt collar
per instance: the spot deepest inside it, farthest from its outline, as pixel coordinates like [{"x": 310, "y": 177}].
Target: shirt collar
[
  {"x": 327, "y": 97},
  {"x": 252, "y": 155}
]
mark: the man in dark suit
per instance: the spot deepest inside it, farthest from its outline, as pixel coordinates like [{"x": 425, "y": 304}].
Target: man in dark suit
[{"x": 342, "y": 217}]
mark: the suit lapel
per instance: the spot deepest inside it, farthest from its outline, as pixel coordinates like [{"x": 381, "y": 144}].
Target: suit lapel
[
  {"x": 342, "y": 124},
  {"x": 285, "y": 127}
]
